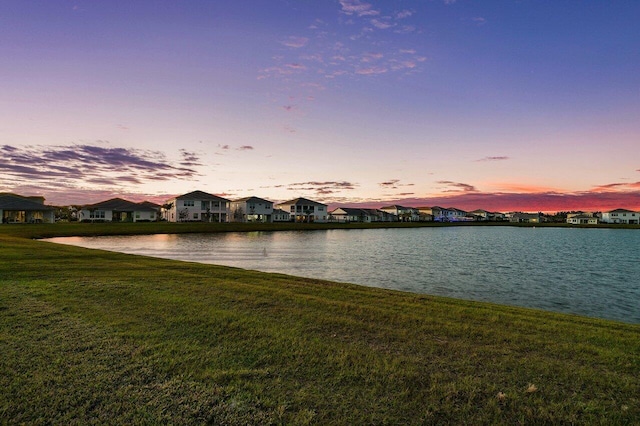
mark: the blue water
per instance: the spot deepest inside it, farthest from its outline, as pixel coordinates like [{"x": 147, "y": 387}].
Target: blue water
[{"x": 592, "y": 272}]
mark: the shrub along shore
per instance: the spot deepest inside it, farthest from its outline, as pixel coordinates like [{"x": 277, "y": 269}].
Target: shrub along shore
[{"x": 88, "y": 336}]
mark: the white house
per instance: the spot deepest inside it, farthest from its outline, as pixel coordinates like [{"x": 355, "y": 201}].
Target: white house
[
  {"x": 119, "y": 210},
  {"x": 621, "y": 216},
  {"x": 304, "y": 210},
  {"x": 251, "y": 209},
  {"x": 18, "y": 209},
  {"x": 280, "y": 215},
  {"x": 197, "y": 206}
]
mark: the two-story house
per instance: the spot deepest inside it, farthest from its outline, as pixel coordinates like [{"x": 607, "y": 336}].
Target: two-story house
[
  {"x": 197, "y": 206},
  {"x": 621, "y": 216},
  {"x": 251, "y": 209},
  {"x": 305, "y": 210}
]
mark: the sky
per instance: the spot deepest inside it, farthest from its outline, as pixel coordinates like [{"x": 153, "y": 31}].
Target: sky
[{"x": 510, "y": 105}]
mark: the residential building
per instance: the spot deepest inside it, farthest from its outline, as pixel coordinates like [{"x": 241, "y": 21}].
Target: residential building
[
  {"x": 404, "y": 214},
  {"x": 119, "y": 210},
  {"x": 457, "y": 215},
  {"x": 483, "y": 215},
  {"x": 347, "y": 214},
  {"x": 19, "y": 209},
  {"x": 251, "y": 209},
  {"x": 280, "y": 215},
  {"x": 621, "y": 216},
  {"x": 305, "y": 210},
  {"x": 441, "y": 214},
  {"x": 582, "y": 219},
  {"x": 525, "y": 218},
  {"x": 378, "y": 215},
  {"x": 197, "y": 206}
]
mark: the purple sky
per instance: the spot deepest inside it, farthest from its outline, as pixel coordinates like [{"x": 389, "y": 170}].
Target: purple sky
[{"x": 503, "y": 105}]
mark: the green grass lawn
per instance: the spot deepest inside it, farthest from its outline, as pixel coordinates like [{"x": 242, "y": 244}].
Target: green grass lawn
[{"x": 88, "y": 336}]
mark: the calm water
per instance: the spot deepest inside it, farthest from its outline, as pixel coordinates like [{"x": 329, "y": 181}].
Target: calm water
[{"x": 593, "y": 272}]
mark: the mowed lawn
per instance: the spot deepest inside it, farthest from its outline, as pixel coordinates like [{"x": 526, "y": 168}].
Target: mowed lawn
[{"x": 93, "y": 337}]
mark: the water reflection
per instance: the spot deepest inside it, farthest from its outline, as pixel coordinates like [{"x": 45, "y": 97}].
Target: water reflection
[{"x": 593, "y": 272}]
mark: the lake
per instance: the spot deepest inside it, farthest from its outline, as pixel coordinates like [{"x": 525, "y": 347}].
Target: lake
[{"x": 592, "y": 272}]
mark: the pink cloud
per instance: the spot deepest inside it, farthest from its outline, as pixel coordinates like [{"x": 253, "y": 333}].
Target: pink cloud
[
  {"x": 371, "y": 71},
  {"x": 358, "y": 7},
  {"x": 295, "y": 42}
]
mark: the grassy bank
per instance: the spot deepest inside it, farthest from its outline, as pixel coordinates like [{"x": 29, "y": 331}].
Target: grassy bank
[{"x": 88, "y": 336}]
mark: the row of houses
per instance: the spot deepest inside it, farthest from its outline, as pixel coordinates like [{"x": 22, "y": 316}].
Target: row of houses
[
  {"x": 620, "y": 216},
  {"x": 199, "y": 206}
]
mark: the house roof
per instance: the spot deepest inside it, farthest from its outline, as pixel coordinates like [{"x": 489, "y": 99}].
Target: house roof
[
  {"x": 280, "y": 211},
  {"x": 17, "y": 202},
  {"x": 150, "y": 204},
  {"x": 252, "y": 199},
  {"x": 621, "y": 211},
  {"x": 200, "y": 195},
  {"x": 352, "y": 211},
  {"x": 118, "y": 204},
  {"x": 582, "y": 216},
  {"x": 301, "y": 202}
]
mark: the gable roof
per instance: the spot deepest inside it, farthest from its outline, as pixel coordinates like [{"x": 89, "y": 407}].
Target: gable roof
[
  {"x": 349, "y": 211},
  {"x": 119, "y": 205},
  {"x": 301, "y": 202},
  {"x": 200, "y": 195},
  {"x": 621, "y": 211},
  {"x": 17, "y": 202},
  {"x": 252, "y": 200}
]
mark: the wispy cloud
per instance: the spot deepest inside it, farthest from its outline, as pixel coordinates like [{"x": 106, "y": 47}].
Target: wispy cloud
[
  {"x": 382, "y": 24},
  {"x": 322, "y": 187},
  {"x": 394, "y": 184},
  {"x": 245, "y": 148},
  {"x": 479, "y": 20},
  {"x": 358, "y": 7},
  {"x": 295, "y": 42},
  {"x": 404, "y": 14},
  {"x": 622, "y": 186},
  {"x": 457, "y": 186},
  {"x": 371, "y": 70},
  {"x": 496, "y": 158}
]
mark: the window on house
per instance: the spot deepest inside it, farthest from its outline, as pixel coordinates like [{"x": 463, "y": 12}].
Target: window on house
[
  {"x": 195, "y": 215},
  {"x": 189, "y": 203}
]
